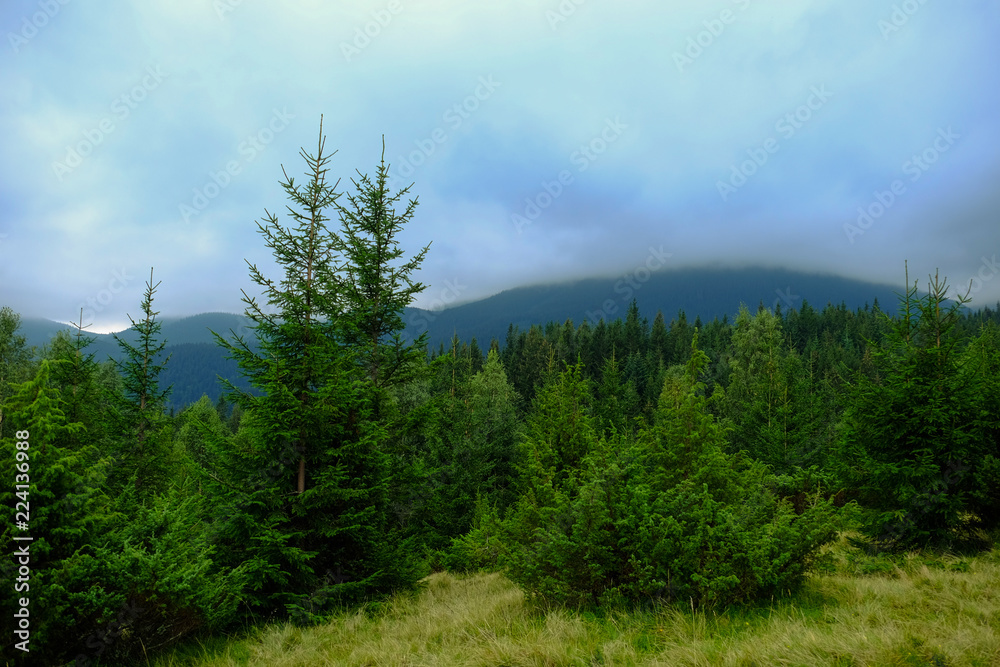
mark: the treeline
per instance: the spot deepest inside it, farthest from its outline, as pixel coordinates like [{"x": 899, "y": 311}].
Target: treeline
[{"x": 625, "y": 463}]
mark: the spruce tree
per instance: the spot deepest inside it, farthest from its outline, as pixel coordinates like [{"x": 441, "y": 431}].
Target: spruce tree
[
  {"x": 668, "y": 516},
  {"x": 88, "y": 388},
  {"x": 376, "y": 283},
  {"x": 67, "y": 511},
  {"x": 920, "y": 431},
  {"x": 15, "y": 358},
  {"x": 770, "y": 401},
  {"x": 305, "y": 480},
  {"x": 142, "y": 456}
]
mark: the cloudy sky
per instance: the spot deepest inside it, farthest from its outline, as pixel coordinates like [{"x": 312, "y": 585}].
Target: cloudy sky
[{"x": 546, "y": 139}]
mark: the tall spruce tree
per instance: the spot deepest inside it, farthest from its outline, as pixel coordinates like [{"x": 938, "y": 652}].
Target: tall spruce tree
[
  {"x": 377, "y": 284},
  {"x": 921, "y": 429},
  {"x": 142, "y": 454},
  {"x": 305, "y": 481}
]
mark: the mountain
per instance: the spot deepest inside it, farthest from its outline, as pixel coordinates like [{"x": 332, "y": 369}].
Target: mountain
[
  {"x": 196, "y": 360},
  {"x": 705, "y": 293}
]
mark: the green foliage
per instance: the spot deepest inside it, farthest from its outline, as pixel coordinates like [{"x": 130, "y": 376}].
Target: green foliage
[
  {"x": 482, "y": 547},
  {"x": 142, "y": 453},
  {"x": 668, "y": 516},
  {"x": 88, "y": 389},
  {"x": 561, "y": 429},
  {"x": 158, "y": 563},
  {"x": 15, "y": 359},
  {"x": 301, "y": 491},
  {"x": 489, "y": 431},
  {"x": 66, "y": 514},
  {"x": 920, "y": 434},
  {"x": 375, "y": 286},
  {"x": 770, "y": 401},
  {"x": 455, "y": 448}
]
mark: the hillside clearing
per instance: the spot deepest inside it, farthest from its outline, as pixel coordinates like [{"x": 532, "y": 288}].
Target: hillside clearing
[{"x": 912, "y": 610}]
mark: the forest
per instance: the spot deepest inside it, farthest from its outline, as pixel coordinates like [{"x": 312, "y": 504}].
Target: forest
[{"x": 623, "y": 465}]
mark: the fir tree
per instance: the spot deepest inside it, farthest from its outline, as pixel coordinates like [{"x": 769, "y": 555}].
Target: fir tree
[
  {"x": 769, "y": 400},
  {"x": 143, "y": 452},
  {"x": 667, "y": 517},
  {"x": 306, "y": 478},
  {"x": 919, "y": 430},
  {"x": 87, "y": 387},
  {"x": 15, "y": 357},
  {"x": 68, "y": 512},
  {"x": 376, "y": 284}
]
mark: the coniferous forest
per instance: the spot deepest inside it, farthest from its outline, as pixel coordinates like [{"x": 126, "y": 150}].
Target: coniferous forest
[{"x": 645, "y": 461}]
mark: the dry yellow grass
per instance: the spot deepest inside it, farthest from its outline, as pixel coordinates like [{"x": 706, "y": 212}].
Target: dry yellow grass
[{"x": 947, "y": 613}]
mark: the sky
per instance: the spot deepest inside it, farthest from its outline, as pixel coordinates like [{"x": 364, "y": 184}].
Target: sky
[{"x": 545, "y": 140}]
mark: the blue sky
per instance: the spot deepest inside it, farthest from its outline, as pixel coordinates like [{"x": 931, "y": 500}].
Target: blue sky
[{"x": 546, "y": 140}]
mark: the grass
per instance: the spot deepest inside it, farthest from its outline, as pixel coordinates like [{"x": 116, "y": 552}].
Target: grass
[{"x": 858, "y": 610}]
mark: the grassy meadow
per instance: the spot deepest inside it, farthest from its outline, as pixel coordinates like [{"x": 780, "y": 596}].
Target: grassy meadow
[{"x": 913, "y": 610}]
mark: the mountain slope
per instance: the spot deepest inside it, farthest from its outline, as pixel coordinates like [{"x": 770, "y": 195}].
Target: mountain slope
[
  {"x": 197, "y": 360},
  {"x": 704, "y": 293}
]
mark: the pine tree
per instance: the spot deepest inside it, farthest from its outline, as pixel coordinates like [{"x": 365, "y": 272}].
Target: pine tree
[
  {"x": 610, "y": 411},
  {"x": 919, "y": 429},
  {"x": 769, "y": 399},
  {"x": 15, "y": 358},
  {"x": 473, "y": 458},
  {"x": 60, "y": 489},
  {"x": 376, "y": 284},
  {"x": 659, "y": 339},
  {"x": 306, "y": 478},
  {"x": 494, "y": 431},
  {"x": 87, "y": 387},
  {"x": 680, "y": 335},
  {"x": 142, "y": 455},
  {"x": 667, "y": 517}
]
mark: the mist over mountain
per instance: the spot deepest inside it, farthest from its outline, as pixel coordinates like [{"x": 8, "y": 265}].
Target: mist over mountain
[
  {"x": 197, "y": 362},
  {"x": 707, "y": 293}
]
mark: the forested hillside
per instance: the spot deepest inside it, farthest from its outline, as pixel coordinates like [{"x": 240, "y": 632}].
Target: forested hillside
[
  {"x": 641, "y": 460},
  {"x": 702, "y": 294}
]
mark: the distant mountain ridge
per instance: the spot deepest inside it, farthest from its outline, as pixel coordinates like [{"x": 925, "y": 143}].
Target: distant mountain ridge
[
  {"x": 197, "y": 360},
  {"x": 704, "y": 293}
]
